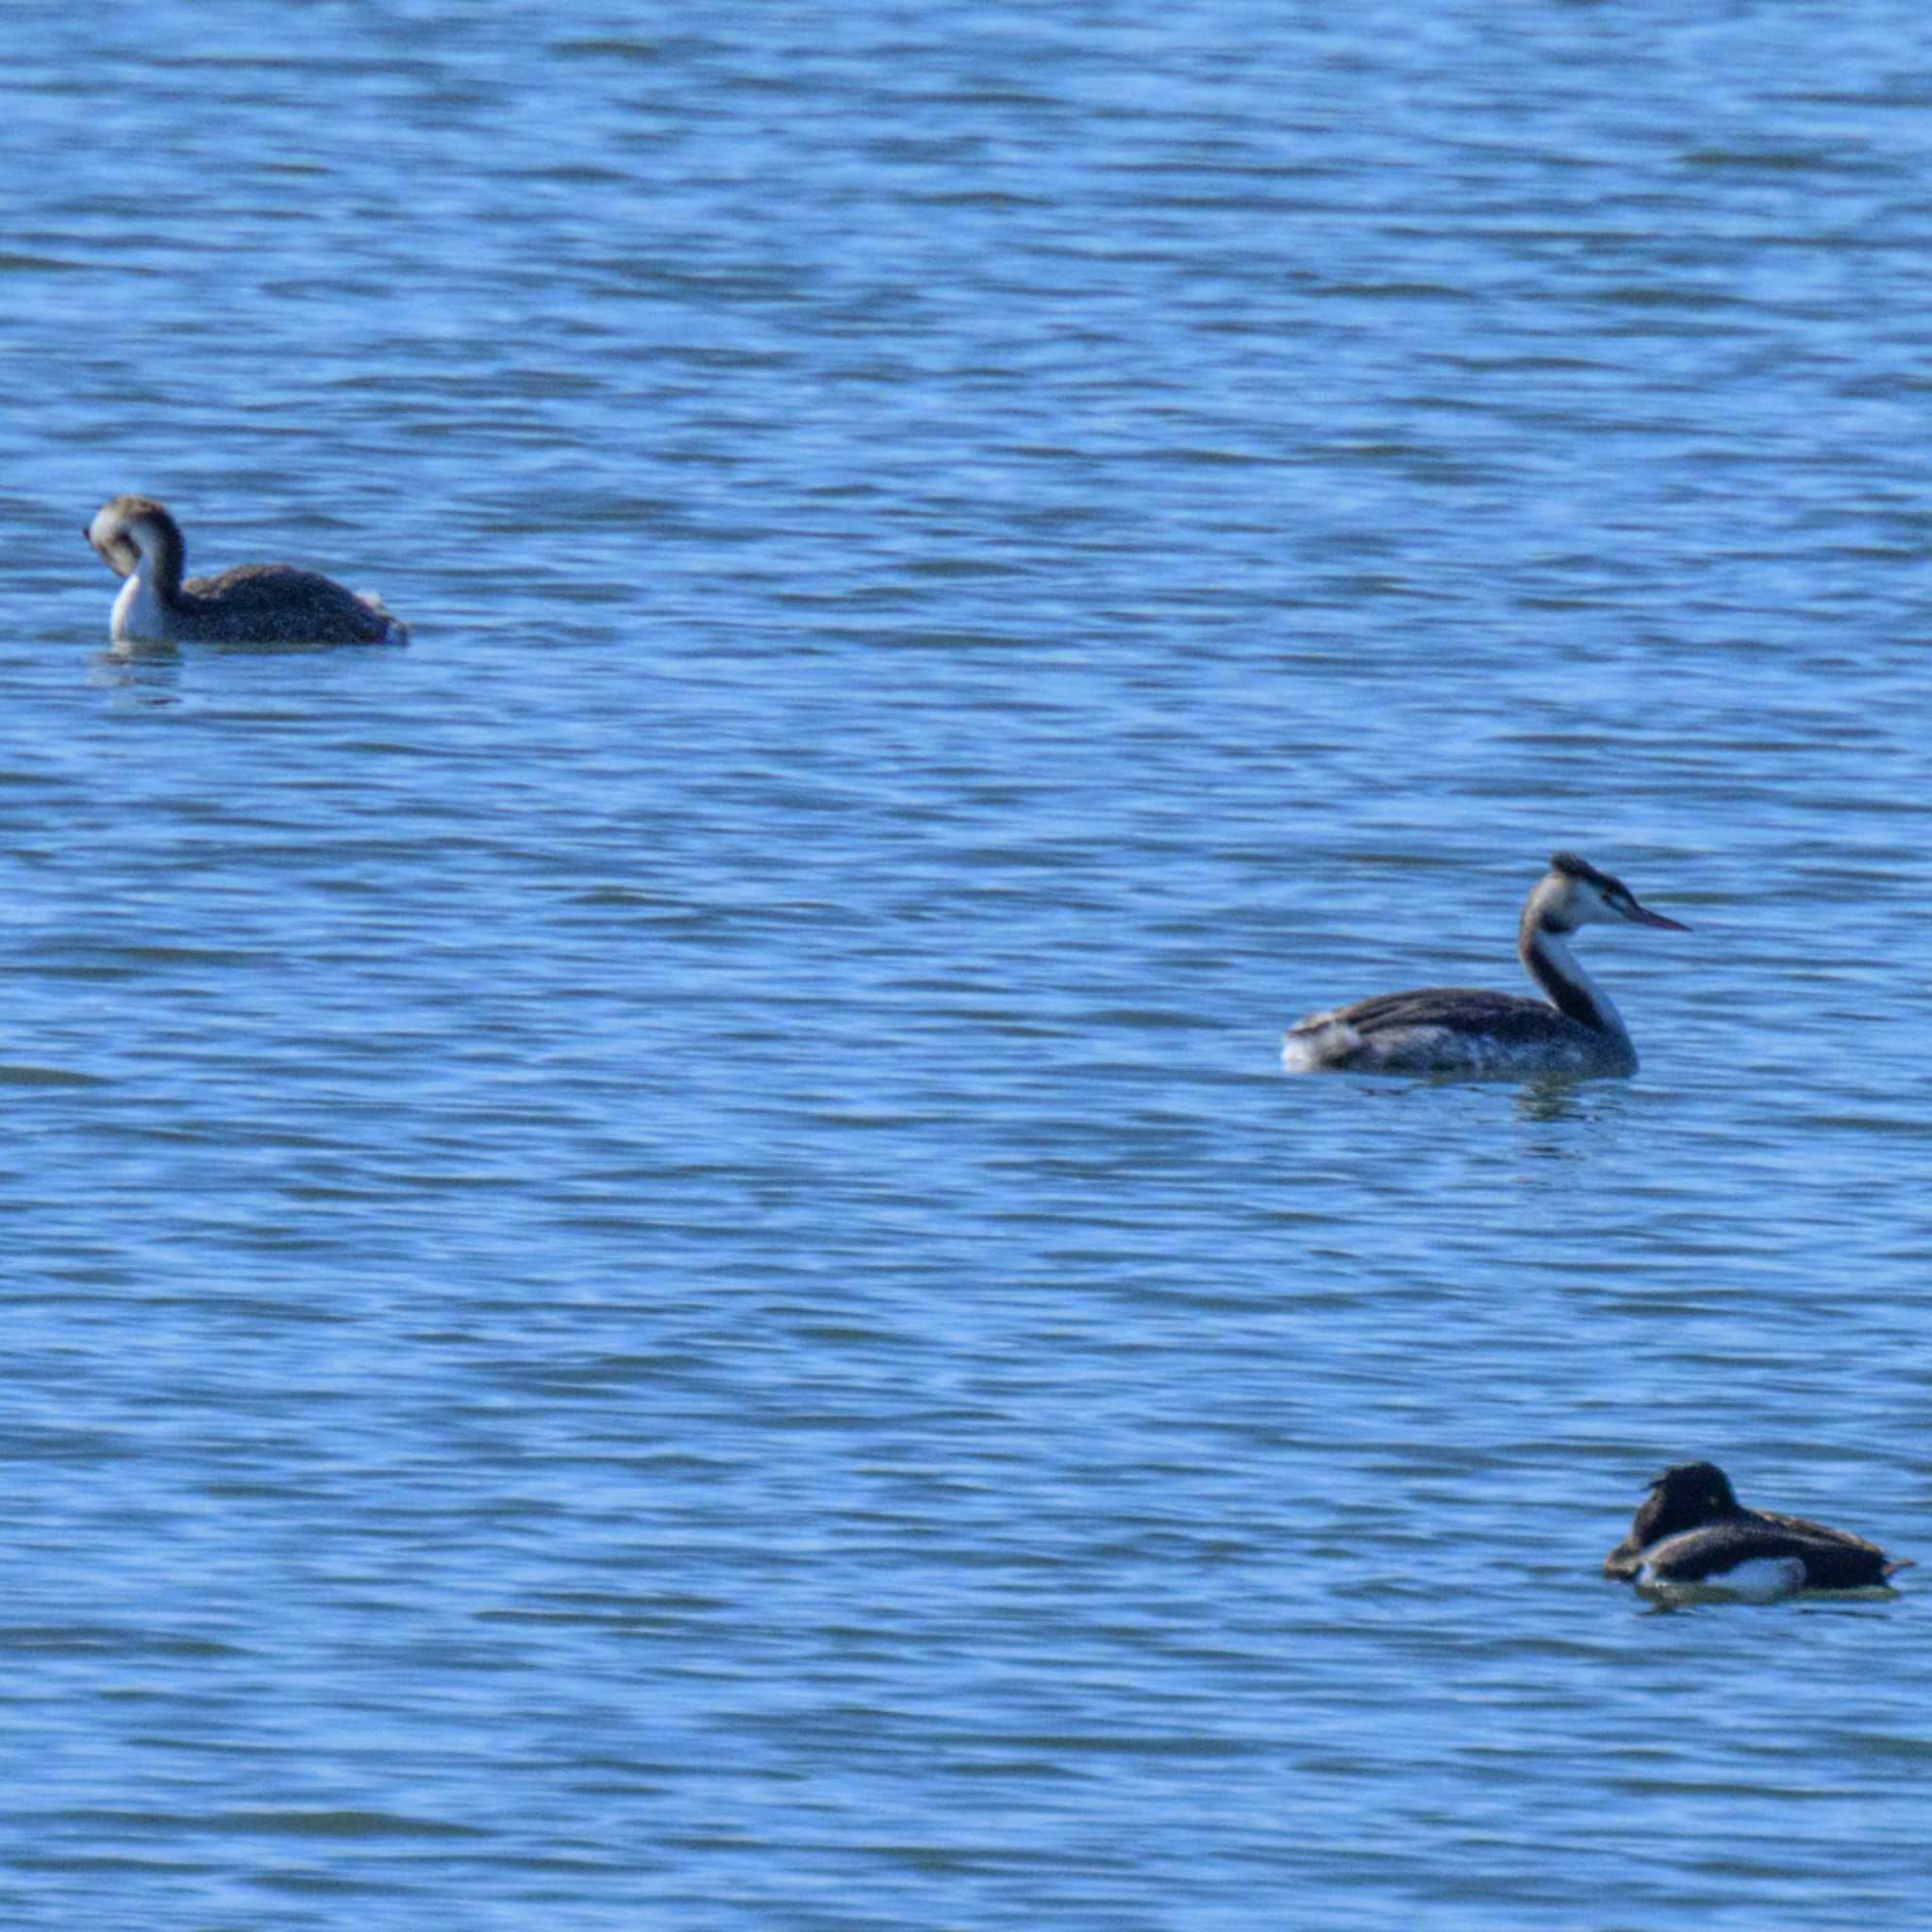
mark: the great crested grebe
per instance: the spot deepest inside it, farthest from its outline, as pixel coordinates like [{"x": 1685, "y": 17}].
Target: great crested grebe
[
  {"x": 1454, "y": 1029},
  {"x": 252, "y": 604},
  {"x": 1692, "y": 1534}
]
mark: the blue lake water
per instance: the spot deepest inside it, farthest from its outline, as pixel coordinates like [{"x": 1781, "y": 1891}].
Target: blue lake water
[{"x": 657, "y": 1271}]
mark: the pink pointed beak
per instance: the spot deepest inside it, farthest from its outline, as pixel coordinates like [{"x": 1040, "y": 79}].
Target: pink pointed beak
[{"x": 1643, "y": 915}]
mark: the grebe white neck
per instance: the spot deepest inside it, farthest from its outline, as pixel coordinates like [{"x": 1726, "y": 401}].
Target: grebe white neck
[{"x": 141, "y": 616}]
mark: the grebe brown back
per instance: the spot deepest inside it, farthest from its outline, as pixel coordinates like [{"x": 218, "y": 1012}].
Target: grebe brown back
[
  {"x": 1467, "y": 1031},
  {"x": 253, "y": 603}
]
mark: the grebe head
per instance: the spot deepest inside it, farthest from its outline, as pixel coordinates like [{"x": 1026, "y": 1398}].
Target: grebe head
[
  {"x": 1573, "y": 892},
  {"x": 126, "y": 528},
  {"x": 1685, "y": 1497},
  {"x": 1690, "y": 1497}
]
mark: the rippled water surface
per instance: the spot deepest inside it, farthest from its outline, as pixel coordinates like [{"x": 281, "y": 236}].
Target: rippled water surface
[{"x": 657, "y": 1271}]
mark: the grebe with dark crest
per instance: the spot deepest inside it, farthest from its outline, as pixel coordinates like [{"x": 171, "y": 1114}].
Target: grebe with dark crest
[
  {"x": 252, "y": 604},
  {"x": 1450, "y": 1029},
  {"x": 1692, "y": 1536}
]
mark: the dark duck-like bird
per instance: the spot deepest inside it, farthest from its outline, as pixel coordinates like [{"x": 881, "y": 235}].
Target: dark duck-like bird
[
  {"x": 1573, "y": 1032},
  {"x": 1692, "y": 1534},
  {"x": 252, "y": 604}
]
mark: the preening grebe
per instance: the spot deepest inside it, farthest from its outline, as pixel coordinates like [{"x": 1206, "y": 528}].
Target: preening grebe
[
  {"x": 1450, "y": 1029},
  {"x": 253, "y": 603},
  {"x": 1690, "y": 1533}
]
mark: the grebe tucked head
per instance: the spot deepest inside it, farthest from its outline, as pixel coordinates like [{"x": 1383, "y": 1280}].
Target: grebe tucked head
[
  {"x": 1686, "y": 1497},
  {"x": 126, "y": 528},
  {"x": 1573, "y": 892}
]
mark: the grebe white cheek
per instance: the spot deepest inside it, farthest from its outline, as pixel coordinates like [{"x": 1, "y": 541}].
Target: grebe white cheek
[{"x": 1574, "y": 1032}]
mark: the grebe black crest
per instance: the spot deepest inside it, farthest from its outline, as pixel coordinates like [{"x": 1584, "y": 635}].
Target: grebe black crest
[
  {"x": 1692, "y": 1537},
  {"x": 1574, "y": 1032},
  {"x": 253, "y": 603}
]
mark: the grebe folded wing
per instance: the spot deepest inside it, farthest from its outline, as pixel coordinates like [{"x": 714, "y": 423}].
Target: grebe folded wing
[
  {"x": 1439, "y": 1006},
  {"x": 1437, "y": 1029},
  {"x": 257, "y": 602}
]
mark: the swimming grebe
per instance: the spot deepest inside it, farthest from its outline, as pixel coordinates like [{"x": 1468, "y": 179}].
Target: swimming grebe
[
  {"x": 253, "y": 603},
  {"x": 1450, "y": 1029},
  {"x": 1692, "y": 1534}
]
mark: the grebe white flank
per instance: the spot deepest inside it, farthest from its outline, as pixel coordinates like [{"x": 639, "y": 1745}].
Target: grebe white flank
[
  {"x": 253, "y": 603},
  {"x": 1450, "y": 1029}
]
